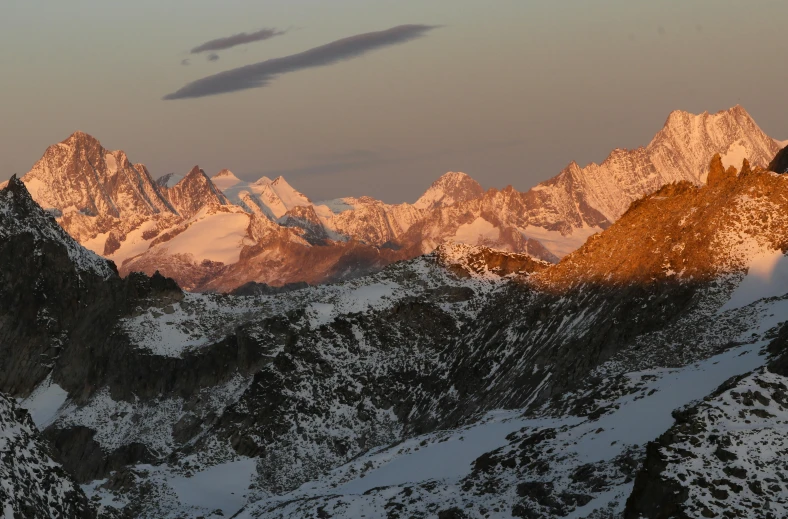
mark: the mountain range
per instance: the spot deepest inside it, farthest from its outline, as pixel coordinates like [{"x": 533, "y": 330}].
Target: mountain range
[
  {"x": 643, "y": 375},
  {"x": 221, "y": 233}
]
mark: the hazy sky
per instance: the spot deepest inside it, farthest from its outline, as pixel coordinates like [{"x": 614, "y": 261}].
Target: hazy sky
[{"x": 508, "y": 91}]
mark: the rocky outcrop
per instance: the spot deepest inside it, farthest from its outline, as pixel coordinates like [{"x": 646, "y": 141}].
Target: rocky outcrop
[
  {"x": 780, "y": 162},
  {"x": 722, "y": 457},
  {"x": 32, "y": 485}
]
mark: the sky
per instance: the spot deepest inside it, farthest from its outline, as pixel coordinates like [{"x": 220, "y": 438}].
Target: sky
[{"x": 354, "y": 97}]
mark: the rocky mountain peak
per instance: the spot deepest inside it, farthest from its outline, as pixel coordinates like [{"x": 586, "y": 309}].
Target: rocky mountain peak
[
  {"x": 449, "y": 189},
  {"x": 17, "y": 198},
  {"x": 194, "y": 192},
  {"x": 225, "y": 173},
  {"x": 80, "y": 138},
  {"x": 195, "y": 173}
]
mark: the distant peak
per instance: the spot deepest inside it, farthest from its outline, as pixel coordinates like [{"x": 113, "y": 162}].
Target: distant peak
[
  {"x": 80, "y": 137},
  {"x": 682, "y": 116},
  {"x": 263, "y": 181},
  {"x": 453, "y": 176},
  {"x": 225, "y": 173},
  {"x": 196, "y": 170},
  {"x": 450, "y": 188}
]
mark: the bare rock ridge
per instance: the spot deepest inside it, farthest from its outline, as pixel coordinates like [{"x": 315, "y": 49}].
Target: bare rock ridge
[{"x": 206, "y": 232}]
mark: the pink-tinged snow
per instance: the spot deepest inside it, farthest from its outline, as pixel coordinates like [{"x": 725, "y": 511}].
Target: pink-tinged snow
[
  {"x": 556, "y": 242},
  {"x": 734, "y": 156},
  {"x": 338, "y": 205},
  {"x": 767, "y": 276},
  {"x": 272, "y": 202},
  {"x": 477, "y": 232},
  {"x": 44, "y": 402},
  {"x": 288, "y": 195},
  {"x": 215, "y": 237},
  {"x": 436, "y": 195},
  {"x": 112, "y": 164},
  {"x": 38, "y": 190},
  {"x": 225, "y": 179},
  {"x": 221, "y": 487},
  {"x": 781, "y": 144},
  {"x": 133, "y": 245}
]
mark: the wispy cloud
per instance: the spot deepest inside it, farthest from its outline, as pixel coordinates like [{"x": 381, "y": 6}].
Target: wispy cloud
[
  {"x": 186, "y": 62},
  {"x": 237, "y": 39},
  {"x": 213, "y": 57},
  {"x": 260, "y": 74}
]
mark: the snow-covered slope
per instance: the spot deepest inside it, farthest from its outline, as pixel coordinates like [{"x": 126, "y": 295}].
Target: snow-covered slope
[{"x": 31, "y": 483}]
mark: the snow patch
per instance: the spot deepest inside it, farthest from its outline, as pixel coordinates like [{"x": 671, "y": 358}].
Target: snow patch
[
  {"x": 734, "y": 156},
  {"x": 556, "y": 242},
  {"x": 215, "y": 237},
  {"x": 112, "y": 164},
  {"x": 44, "y": 402},
  {"x": 477, "y": 232},
  {"x": 221, "y": 486},
  {"x": 767, "y": 276}
]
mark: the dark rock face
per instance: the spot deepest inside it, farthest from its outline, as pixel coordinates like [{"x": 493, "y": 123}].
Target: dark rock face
[
  {"x": 87, "y": 460},
  {"x": 305, "y": 219},
  {"x": 780, "y": 162}
]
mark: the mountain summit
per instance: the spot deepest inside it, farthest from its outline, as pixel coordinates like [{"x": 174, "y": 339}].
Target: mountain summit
[{"x": 449, "y": 189}]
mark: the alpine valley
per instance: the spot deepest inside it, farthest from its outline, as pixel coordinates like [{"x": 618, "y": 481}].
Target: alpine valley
[{"x": 612, "y": 343}]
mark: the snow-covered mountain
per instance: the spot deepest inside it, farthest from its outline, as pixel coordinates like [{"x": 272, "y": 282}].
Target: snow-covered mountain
[
  {"x": 221, "y": 232},
  {"x": 468, "y": 382}
]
